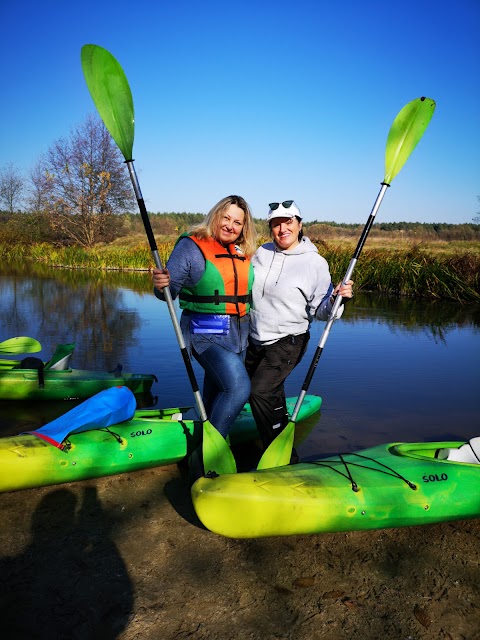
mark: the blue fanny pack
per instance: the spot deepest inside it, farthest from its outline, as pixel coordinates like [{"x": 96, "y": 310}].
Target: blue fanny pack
[{"x": 209, "y": 323}]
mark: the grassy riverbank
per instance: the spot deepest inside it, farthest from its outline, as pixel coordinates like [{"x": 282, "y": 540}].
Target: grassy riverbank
[{"x": 394, "y": 266}]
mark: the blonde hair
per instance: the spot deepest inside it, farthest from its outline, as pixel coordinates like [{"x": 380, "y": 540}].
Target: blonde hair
[{"x": 247, "y": 240}]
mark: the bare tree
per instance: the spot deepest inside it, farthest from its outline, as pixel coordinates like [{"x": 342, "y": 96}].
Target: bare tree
[
  {"x": 12, "y": 187},
  {"x": 477, "y": 217},
  {"x": 81, "y": 182},
  {"x": 38, "y": 191}
]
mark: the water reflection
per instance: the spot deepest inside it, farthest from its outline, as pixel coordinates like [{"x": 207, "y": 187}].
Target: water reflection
[
  {"x": 71, "y": 306},
  {"x": 135, "y": 280},
  {"x": 434, "y": 317}
]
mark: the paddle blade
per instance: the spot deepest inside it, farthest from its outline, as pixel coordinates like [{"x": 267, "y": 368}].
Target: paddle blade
[
  {"x": 111, "y": 94},
  {"x": 279, "y": 452},
  {"x": 20, "y": 345},
  {"x": 406, "y": 130},
  {"x": 217, "y": 455}
]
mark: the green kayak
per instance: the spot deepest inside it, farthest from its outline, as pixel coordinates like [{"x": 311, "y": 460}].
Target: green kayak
[
  {"x": 33, "y": 379},
  {"x": 151, "y": 438},
  {"x": 69, "y": 384},
  {"x": 392, "y": 485}
]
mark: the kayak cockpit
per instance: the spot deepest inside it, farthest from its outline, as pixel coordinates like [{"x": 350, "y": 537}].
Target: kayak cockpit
[{"x": 467, "y": 452}]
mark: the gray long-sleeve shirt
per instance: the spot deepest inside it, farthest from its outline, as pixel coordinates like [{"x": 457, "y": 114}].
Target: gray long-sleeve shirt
[{"x": 291, "y": 288}]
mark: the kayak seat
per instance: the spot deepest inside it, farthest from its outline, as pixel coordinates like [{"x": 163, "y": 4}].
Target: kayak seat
[
  {"x": 117, "y": 371},
  {"x": 31, "y": 362},
  {"x": 475, "y": 444},
  {"x": 469, "y": 452},
  {"x": 61, "y": 357}
]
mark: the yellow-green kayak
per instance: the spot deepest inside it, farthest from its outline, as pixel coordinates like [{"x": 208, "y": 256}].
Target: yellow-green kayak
[
  {"x": 391, "y": 485},
  {"x": 153, "y": 437}
]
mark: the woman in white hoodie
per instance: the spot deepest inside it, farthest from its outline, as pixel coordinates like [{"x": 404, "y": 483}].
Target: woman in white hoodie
[{"x": 292, "y": 287}]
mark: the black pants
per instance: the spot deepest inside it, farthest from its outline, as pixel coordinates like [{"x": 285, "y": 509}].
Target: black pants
[{"x": 268, "y": 367}]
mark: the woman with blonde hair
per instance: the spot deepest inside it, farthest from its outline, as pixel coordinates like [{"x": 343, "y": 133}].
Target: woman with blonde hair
[{"x": 210, "y": 272}]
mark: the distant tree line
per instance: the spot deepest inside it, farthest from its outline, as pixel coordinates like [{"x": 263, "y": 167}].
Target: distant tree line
[
  {"x": 435, "y": 227},
  {"x": 411, "y": 230},
  {"x": 31, "y": 227}
]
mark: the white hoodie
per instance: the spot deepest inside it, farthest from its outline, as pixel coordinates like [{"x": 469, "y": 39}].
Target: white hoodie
[{"x": 291, "y": 288}]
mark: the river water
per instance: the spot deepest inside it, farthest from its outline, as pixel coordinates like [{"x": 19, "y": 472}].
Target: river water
[{"x": 391, "y": 370}]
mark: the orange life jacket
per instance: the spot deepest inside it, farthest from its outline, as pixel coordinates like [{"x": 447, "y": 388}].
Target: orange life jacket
[{"x": 226, "y": 285}]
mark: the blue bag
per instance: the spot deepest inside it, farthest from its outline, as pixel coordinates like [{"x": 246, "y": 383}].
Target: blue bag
[{"x": 209, "y": 323}]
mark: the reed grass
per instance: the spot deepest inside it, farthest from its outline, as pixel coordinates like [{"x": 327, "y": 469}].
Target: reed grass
[
  {"x": 138, "y": 258},
  {"x": 412, "y": 271}
]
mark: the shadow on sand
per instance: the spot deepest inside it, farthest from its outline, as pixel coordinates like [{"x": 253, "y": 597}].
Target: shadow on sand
[{"x": 71, "y": 581}]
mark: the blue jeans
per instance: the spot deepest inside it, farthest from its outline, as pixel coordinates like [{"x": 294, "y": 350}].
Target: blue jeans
[{"x": 226, "y": 387}]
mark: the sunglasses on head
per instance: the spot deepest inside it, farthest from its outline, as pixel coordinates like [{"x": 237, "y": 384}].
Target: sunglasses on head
[{"x": 286, "y": 204}]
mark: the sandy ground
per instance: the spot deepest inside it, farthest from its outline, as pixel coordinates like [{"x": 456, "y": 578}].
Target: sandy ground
[{"x": 125, "y": 557}]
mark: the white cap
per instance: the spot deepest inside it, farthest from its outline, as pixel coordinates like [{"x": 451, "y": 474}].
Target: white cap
[{"x": 286, "y": 209}]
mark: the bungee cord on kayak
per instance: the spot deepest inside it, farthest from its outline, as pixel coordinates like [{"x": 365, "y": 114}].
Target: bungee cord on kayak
[{"x": 350, "y": 463}]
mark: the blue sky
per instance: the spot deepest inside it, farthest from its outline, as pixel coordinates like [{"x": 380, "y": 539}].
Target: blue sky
[{"x": 270, "y": 100}]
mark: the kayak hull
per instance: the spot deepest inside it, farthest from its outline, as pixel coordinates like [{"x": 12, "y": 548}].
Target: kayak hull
[
  {"x": 67, "y": 384},
  {"x": 392, "y": 485},
  {"x": 152, "y": 438}
]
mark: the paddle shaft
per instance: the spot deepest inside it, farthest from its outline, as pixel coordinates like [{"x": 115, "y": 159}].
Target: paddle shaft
[
  {"x": 338, "y": 301},
  {"x": 166, "y": 292}
]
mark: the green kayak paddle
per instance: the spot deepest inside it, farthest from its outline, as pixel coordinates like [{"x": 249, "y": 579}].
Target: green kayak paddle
[
  {"x": 109, "y": 88},
  {"x": 405, "y": 132},
  {"x": 20, "y": 345}
]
